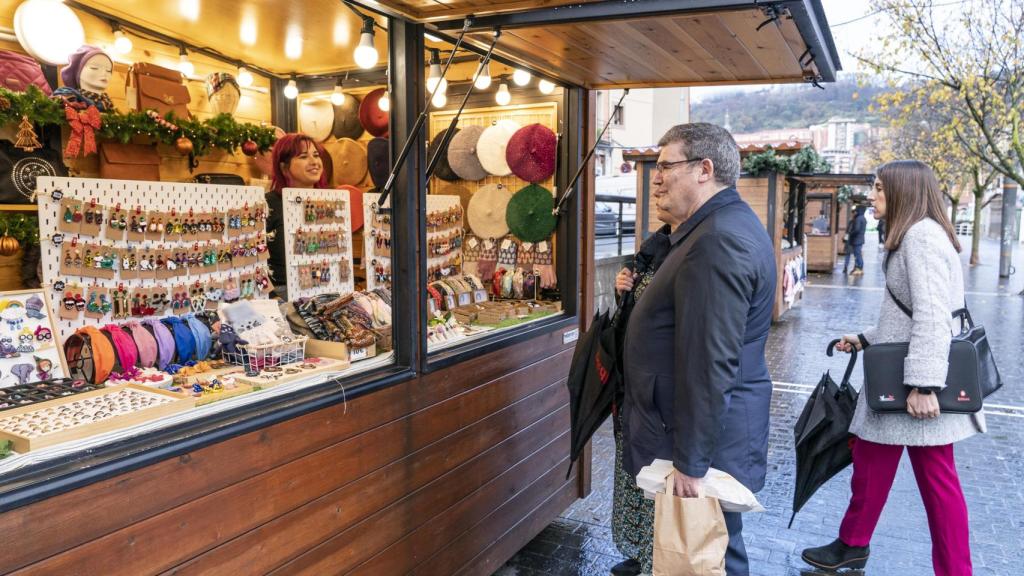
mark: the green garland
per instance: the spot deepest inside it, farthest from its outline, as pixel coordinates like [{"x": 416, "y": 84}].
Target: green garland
[
  {"x": 24, "y": 227},
  {"x": 221, "y": 131},
  {"x": 806, "y": 161}
]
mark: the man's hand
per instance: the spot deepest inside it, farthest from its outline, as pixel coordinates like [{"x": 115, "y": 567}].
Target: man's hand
[
  {"x": 624, "y": 281},
  {"x": 686, "y": 486},
  {"x": 922, "y": 406}
]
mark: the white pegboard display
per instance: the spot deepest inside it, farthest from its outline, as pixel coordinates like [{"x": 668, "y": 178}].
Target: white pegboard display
[
  {"x": 296, "y": 201},
  {"x": 153, "y": 196},
  {"x": 377, "y": 227}
]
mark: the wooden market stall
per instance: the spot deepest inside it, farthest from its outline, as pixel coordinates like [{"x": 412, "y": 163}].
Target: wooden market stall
[
  {"x": 432, "y": 460},
  {"x": 825, "y": 216}
]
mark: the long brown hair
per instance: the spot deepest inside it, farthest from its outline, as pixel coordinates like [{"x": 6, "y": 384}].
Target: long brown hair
[{"x": 911, "y": 195}]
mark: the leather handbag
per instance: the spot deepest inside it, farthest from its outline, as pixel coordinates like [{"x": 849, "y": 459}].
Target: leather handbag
[
  {"x": 19, "y": 170},
  {"x": 152, "y": 87},
  {"x": 129, "y": 162},
  {"x": 19, "y": 71}
]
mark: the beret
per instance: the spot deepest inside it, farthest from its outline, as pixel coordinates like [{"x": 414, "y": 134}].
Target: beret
[
  {"x": 378, "y": 157},
  {"x": 462, "y": 155},
  {"x": 373, "y": 119},
  {"x": 444, "y": 169},
  {"x": 531, "y": 153},
  {"x": 529, "y": 214},
  {"x": 491, "y": 147},
  {"x": 348, "y": 159},
  {"x": 316, "y": 118},
  {"x": 486, "y": 212},
  {"x": 346, "y": 119}
]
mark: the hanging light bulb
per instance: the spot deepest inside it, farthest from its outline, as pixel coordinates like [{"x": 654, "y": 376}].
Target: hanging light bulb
[
  {"x": 483, "y": 81},
  {"x": 337, "y": 97},
  {"x": 366, "y": 53},
  {"x": 244, "y": 77},
  {"x": 439, "y": 99},
  {"x": 122, "y": 43},
  {"x": 291, "y": 91},
  {"x": 545, "y": 86},
  {"x": 185, "y": 65},
  {"x": 503, "y": 97},
  {"x": 435, "y": 80},
  {"x": 48, "y": 30},
  {"x": 384, "y": 103},
  {"x": 521, "y": 77}
]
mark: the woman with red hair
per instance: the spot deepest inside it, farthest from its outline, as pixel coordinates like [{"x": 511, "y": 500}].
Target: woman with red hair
[{"x": 298, "y": 162}]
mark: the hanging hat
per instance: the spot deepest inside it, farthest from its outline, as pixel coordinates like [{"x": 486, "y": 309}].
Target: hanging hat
[
  {"x": 462, "y": 155},
  {"x": 531, "y": 153},
  {"x": 529, "y": 215},
  {"x": 316, "y": 118},
  {"x": 378, "y": 157},
  {"x": 69, "y": 75},
  {"x": 491, "y": 147},
  {"x": 444, "y": 169},
  {"x": 487, "y": 211},
  {"x": 373, "y": 119},
  {"x": 355, "y": 207},
  {"x": 348, "y": 158},
  {"x": 346, "y": 119},
  {"x": 34, "y": 307}
]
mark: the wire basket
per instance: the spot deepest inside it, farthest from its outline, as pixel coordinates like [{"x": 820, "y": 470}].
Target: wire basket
[{"x": 258, "y": 358}]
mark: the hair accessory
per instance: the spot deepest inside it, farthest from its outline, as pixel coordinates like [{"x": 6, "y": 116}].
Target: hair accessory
[
  {"x": 145, "y": 343},
  {"x": 165, "y": 342},
  {"x": 184, "y": 341},
  {"x": 201, "y": 334}
]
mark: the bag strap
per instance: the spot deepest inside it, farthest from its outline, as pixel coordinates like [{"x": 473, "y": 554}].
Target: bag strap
[{"x": 961, "y": 313}]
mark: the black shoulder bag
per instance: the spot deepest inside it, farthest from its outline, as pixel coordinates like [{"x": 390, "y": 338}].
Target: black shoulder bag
[{"x": 972, "y": 374}]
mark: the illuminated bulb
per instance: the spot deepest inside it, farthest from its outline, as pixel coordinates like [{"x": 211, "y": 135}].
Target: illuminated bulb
[
  {"x": 244, "y": 77},
  {"x": 337, "y": 97},
  {"x": 439, "y": 99},
  {"x": 483, "y": 81},
  {"x": 122, "y": 43},
  {"x": 48, "y": 30},
  {"x": 291, "y": 91},
  {"x": 503, "y": 97},
  {"x": 185, "y": 65},
  {"x": 384, "y": 103},
  {"x": 521, "y": 77},
  {"x": 546, "y": 87},
  {"x": 434, "y": 79},
  {"x": 366, "y": 53}
]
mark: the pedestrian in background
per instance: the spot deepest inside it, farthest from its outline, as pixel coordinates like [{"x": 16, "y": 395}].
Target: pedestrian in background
[
  {"x": 881, "y": 230},
  {"x": 923, "y": 271},
  {"x": 855, "y": 242}
]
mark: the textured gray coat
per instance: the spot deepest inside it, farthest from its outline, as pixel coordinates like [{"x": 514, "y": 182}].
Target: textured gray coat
[{"x": 926, "y": 275}]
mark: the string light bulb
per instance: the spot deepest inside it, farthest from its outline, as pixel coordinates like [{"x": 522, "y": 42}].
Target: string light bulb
[
  {"x": 521, "y": 77},
  {"x": 366, "y": 53},
  {"x": 185, "y": 65},
  {"x": 503, "y": 96},
  {"x": 337, "y": 97},
  {"x": 483, "y": 81},
  {"x": 122, "y": 43},
  {"x": 244, "y": 77},
  {"x": 545, "y": 86},
  {"x": 291, "y": 90},
  {"x": 384, "y": 103},
  {"x": 439, "y": 100},
  {"x": 436, "y": 84}
]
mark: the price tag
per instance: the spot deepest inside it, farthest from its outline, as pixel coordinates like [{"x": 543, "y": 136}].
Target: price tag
[{"x": 358, "y": 354}]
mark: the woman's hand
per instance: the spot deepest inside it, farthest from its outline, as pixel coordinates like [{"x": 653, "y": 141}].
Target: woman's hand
[
  {"x": 848, "y": 343},
  {"x": 922, "y": 406},
  {"x": 624, "y": 281}
]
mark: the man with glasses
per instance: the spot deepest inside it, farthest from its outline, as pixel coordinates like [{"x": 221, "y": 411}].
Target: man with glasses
[{"x": 697, "y": 384}]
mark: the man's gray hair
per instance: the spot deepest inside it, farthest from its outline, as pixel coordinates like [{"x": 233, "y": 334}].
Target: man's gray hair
[{"x": 703, "y": 140}]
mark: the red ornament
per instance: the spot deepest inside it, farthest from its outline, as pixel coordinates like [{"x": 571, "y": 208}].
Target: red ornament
[
  {"x": 184, "y": 145},
  {"x": 250, "y": 148}
]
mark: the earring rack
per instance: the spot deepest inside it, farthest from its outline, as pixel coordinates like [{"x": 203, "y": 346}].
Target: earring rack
[{"x": 340, "y": 263}]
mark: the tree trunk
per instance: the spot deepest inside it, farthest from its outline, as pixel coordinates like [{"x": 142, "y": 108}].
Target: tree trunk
[{"x": 976, "y": 234}]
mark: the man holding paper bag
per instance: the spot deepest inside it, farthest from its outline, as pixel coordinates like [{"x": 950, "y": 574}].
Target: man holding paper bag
[{"x": 697, "y": 384}]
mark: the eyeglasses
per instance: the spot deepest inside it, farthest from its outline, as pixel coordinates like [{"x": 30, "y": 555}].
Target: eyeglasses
[{"x": 663, "y": 167}]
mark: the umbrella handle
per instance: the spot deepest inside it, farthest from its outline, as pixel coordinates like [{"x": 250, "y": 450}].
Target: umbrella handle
[{"x": 849, "y": 366}]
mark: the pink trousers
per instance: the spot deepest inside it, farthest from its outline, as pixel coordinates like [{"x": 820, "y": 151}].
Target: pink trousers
[{"x": 874, "y": 469}]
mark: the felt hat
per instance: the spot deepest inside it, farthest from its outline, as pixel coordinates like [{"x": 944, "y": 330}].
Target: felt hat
[
  {"x": 373, "y": 119},
  {"x": 378, "y": 157},
  {"x": 34, "y": 307},
  {"x": 348, "y": 159},
  {"x": 529, "y": 214},
  {"x": 444, "y": 169},
  {"x": 355, "y": 207},
  {"x": 491, "y": 147},
  {"x": 346, "y": 119},
  {"x": 462, "y": 156},
  {"x": 70, "y": 73},
  {"x": 531, "y": 153},
  {"x": 486, "y": 212},
  {"x": 316, "y": 118}
]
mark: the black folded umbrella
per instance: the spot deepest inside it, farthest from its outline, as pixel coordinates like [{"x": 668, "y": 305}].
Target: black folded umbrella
[
  {"x": 593, "y": 377},
  {"x": 822, "y": 433}
]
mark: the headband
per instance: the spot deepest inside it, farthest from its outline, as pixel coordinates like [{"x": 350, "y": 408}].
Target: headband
[
  {"x": 103, "y": 357},
  {"x": 184, "y": 341},
  {"x": 164, "y": 342},
  {"x": 124, "y": 347},
  {"x": 201, "y": 334},
  {"x": 145, "y": 342}
]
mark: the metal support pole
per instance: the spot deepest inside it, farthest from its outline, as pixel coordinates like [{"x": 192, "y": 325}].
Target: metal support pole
[{"x": 1006, "y": 239}]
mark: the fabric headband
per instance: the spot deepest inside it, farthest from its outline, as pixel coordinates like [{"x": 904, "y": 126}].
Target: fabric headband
[
  {"x": 164, "y": 342},
  {"x": 124, "y": 347},
  {"x": 145, "y": 342},
  {"x": 184, "y": 341},
  {"x": 102, "y": 354},
  {"x": 202, "y": 335}
]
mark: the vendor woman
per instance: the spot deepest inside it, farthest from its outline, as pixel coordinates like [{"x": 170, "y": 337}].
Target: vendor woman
[{"x": 298, "y": 162}]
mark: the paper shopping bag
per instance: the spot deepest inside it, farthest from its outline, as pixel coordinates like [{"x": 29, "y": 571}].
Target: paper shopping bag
[{"x": 690, "y": 537}]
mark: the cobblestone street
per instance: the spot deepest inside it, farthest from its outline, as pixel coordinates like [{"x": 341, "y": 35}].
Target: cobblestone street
[{"x": 990, "y": 465}]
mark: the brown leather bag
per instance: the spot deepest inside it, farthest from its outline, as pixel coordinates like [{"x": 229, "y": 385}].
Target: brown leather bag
[
  {"x": 152, "y": 87},
  {"x": 129, "y": 162}
]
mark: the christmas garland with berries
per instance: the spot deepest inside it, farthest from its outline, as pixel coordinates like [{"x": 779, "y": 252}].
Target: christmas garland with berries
[{"x": 221, "y": 131}]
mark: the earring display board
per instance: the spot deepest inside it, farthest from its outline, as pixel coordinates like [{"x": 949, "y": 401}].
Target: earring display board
[
  {"x": 28, "y": 351},
  {"x": 227, "y": 257},
  {"x": 318, "y": 249},
  {"x": 377, "y": 242}
]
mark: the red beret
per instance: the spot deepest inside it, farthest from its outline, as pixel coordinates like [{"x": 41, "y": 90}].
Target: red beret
[
  {"x": 531, "y": 153},
  {"x": 371, "y": 116}
]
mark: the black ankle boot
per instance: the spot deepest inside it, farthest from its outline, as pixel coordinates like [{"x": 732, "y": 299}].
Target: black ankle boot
[
  {"x": 836, "y": 556},
  {"x": 628, "y": 567}
]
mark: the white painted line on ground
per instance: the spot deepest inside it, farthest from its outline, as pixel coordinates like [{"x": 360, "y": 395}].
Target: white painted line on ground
[
  {"x": 880, "y": 289},
  {"x": 990, "y": 409}
]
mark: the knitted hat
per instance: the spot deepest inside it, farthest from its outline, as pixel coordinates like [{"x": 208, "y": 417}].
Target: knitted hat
[
  {"x": 346, "y": 119},
  {"x": 69, "y": 75},
  {"x": 444, "y": 169},
  {"x": 531, "y": 153},
  {"x": 373, "y": 119},
  {"x": 486, "y": 212},
  {"x": 34, "y": 307},
  {"x": 348, "y": 158},
  {"x": 316, "y": 119},
  {"x": 529, "y": 214},
  {"x": 378, "y": 157},
  {"x": 491, "y": 147},
  {"x": 462, "y": 155}
]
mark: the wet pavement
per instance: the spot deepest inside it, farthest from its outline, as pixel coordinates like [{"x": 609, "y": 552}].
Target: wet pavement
[{"x": 579, "y": 542}]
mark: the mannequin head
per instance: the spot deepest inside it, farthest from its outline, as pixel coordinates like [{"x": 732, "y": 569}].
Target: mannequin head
[
  {"x": 90, "y": 69},
  {"x": 223, "y": 91},
  {"x": 298, "y": 163}
]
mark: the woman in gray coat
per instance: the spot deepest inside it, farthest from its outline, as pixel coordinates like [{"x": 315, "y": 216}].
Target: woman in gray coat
[{"x": 924, "y": 272}]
